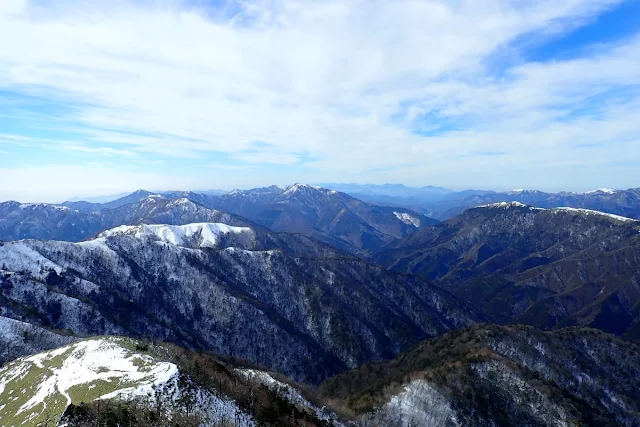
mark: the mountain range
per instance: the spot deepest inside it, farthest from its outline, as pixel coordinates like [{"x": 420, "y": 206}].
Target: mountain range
[
  {"x": 279, "y": 299},
  {"x": 442, "y": 203},
  {"x": 306, "y": 306},
  {"x": 335, "y": 218},
  {"x": 54, "y": 222},
  {"x": 544, "y": 267}
]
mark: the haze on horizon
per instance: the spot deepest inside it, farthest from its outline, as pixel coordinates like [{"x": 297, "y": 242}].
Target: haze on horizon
[{"x": 99, "y": 99}]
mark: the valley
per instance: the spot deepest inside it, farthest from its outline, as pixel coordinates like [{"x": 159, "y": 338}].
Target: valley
[{"x": 309, "y": 307}]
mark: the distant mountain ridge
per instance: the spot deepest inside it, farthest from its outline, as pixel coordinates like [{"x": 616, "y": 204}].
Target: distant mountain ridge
[
  {"x": 54, "y": 222},
  {"x": 442, "y": 203},
  {"x": 618, "y": 202},
  {"x": 545, "y": 267},
  {"x": 342, "y": 221},
  {"x": 330, "y": 216}
]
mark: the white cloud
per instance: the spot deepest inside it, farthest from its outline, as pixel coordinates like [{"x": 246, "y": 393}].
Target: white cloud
[{"x": 346, "y": 83}]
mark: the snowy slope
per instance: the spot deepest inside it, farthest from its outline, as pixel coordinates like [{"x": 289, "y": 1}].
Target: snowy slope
[
  {"x": 19, "y": 339},
  {"x": 289, "y": 393},
  {"x": 199, "y": 235},
  {"x": 578, "y": 211},
  {"x": 281, "y": 300},
  {"x": 408, "y": 218},
  {"x": 41, "y": 386}
]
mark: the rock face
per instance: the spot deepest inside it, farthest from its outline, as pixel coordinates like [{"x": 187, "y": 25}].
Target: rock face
[
  {"x": 545, "y": 267},
  {"x": 59, "y": 386},
  {"x": 490, "y": 375},
  {"x": 281, "y": 300}
]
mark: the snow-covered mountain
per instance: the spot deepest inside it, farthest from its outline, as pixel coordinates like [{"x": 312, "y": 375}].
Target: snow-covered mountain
[
  {"x": 508, "y": 376},
  {"x": 546, "y": 267},
  {"x": 619, "y": 202},
  {"x": 53, "y": 222},
  {"x": 279, "y": 299},
  {"x": 336, "y": 218},
  {"x": 442, "y": 204},
  {"x": 65, "y": 386}
]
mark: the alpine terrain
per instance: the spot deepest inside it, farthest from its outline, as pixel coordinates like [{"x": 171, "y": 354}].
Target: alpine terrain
[
  {"x": 279, "y": 299},
  {"x": 544, "y": 267},
  {"x": 335, "y": 218},
  {"x": 489, "y": 375},
  {"x": 119, "y": 381},
  {"x": 165, "y": 310}
]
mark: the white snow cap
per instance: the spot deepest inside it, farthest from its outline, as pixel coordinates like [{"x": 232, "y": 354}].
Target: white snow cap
[
  {"x": 205, "y": 233},
  {"x": 297, "y": 187},
  {"x": 506, "y": 205},
  {"x": 602, "y": 190}
]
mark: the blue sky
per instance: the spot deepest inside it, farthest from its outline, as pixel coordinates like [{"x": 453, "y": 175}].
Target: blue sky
[{"x": 103, "y": 98}]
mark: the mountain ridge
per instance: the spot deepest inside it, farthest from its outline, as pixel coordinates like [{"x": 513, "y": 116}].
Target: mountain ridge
[
  {"x": 283, "y": 300},
  {"x": 489, "y": 375},
  {"x": 344, "y": 222},
  {"x": 545, "y": 267}
]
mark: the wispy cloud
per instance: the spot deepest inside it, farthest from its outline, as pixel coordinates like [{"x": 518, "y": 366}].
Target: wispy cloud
[
  {"x": 358, "y": 86},
  {"x": 105, "y": 151}
]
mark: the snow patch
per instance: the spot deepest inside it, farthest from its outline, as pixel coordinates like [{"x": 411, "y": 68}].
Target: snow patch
[
  {"x": 298, "y": 187},
  {"x": 506, "y": 205},
  {"x": 205, "y": 235},
  {"x": 90, "y": 361},
  {"x": 419, "y": 404},
  {"x": 408, "y": 219}
]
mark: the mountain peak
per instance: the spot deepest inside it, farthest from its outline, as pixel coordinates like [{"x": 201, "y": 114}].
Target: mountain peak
[
  {"x": 300, "y": 187},
  {"x": 602, "y": 191},
  {"x": 307, "y": 190}
]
